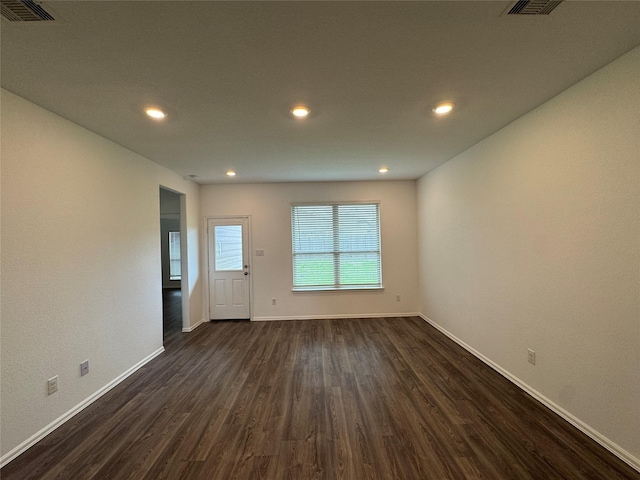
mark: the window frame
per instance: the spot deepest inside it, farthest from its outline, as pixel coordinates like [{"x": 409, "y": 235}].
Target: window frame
[
  {"x": 170, "y": 242},
  {"x": 336, "y": 252}
]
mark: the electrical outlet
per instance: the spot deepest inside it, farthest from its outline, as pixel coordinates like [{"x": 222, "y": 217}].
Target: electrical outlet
[
  {"x": 531, "y": 356},
  {"x": 397, "y": 298},
  {"x": 273, "y": 301},
  {"x": 84, "y": 368},
  {"x": 52, "y": 385}
]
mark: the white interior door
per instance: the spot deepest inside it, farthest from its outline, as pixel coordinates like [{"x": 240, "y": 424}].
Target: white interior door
[{"x": 228, "y": 268}]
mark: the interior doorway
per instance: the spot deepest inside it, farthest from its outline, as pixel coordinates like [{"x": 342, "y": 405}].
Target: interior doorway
[{"x": 171, "y": 245}]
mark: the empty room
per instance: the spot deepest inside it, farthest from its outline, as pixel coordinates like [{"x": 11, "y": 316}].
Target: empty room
[{"x": 320, "y": 240}]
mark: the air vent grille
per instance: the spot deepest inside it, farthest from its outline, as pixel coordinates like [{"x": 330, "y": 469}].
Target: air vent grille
[
  {"x": 24, "y": 11},
  {"x": 534, "y": 7}
]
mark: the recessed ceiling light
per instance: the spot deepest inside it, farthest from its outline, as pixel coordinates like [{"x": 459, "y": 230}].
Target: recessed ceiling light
[
  {"x": 300, "y": 111},
  {"x": 383, "y": 170},
  {"x": 231, "y": 173},
  {"x": 155, "y": 113},
  {"x": 443, "y": 108}
]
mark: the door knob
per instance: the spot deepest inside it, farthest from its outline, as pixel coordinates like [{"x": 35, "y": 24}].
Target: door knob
[{"x": 246, "y": 273}]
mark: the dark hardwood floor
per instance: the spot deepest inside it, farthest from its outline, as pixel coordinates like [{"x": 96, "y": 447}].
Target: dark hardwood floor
[
  {"x": 354, "y": 399},
  {"x": 171, "y": 311}
]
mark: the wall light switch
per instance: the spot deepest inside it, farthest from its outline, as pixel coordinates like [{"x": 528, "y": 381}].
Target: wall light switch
[
  {"x": 259, "y": 253},
  {"x": 84, "y": 368},
  {"x": 52, "y": 385},
  {"x": 531, "y": 356}
]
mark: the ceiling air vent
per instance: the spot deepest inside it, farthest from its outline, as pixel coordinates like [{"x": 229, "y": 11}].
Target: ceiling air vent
[
  {"x": 24, "y": 11},
  {"x": 533, "y": 7}
]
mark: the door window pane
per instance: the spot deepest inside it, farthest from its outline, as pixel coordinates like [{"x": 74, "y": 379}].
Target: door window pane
[{"x": 228, "y": 247}]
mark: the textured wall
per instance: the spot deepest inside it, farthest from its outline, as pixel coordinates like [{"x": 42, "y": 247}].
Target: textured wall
[
  {"x": 80, "y": 263},
  {"x": 270, "y": 208},
  {"x": 531, "y": 239}
]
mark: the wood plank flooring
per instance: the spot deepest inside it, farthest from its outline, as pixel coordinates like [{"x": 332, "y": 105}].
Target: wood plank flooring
[
  {"x": 171, "y": 311},
  {"x": 384, "y": 398}
]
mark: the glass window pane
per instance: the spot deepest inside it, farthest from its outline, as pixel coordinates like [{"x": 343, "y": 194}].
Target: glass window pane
[
  {"x": 313, "y": 229},
  {"x": 336, "y": 246},
  {"x": 358, "y": 228},
  {"x": 228, "y": 247},
  {"x": 359, "y": 269},
  {"x": 313, "y": 270},
  {"x": 175, "y": 268}
]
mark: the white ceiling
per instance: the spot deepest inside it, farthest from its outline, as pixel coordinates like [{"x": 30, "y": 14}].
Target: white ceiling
[{"x": 228, "y": 73}]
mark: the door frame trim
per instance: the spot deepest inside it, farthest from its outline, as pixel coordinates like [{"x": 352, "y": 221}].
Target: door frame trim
[{"x": 205, "y": 262}]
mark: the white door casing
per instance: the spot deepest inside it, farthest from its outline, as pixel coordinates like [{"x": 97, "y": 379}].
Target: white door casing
[{"x": 228, "y": 248}]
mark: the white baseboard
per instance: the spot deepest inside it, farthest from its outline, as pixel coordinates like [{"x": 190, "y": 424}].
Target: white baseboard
[
  {"x": 192, "y": 327},
  {"x": 613, "y": 447},
  {"x": 29, "y": 442},
  {"x": 331, "y": 317}
]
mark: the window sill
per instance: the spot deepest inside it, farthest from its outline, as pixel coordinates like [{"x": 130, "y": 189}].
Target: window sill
[{"x": 336, "y": 289}]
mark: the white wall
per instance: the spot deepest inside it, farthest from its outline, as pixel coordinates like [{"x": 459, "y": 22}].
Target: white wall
[
  {"x": 80, "y": 264},
  {"x": 269, "y": 206},
  {"x": 531, "y": 239}
]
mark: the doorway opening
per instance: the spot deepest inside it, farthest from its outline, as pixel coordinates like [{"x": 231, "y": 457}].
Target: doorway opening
[{"x": 171, "y": 236}]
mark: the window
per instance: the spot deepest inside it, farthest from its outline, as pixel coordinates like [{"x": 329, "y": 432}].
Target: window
[
  {"x": 175, "y": 270},
  {"x": 336, "y": 246},
  {"x": 228, "y": 255}
]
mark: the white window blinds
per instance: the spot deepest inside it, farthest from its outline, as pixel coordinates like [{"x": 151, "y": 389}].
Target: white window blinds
[
  {"x": 336, "y": 246},
  {"x": 175, "y": 269}
]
